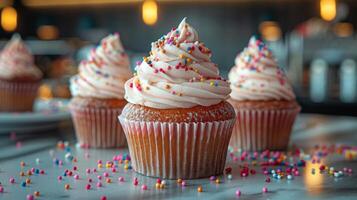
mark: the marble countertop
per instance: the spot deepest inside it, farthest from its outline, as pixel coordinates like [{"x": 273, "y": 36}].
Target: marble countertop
[{"x": 310, "y": 130}]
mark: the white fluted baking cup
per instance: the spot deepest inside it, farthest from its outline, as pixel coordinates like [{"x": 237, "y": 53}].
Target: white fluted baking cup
[
  {"x": 257, "y": 130},
  {"x": 98, "y": 128},
  {"x": 178, "y": 150}
]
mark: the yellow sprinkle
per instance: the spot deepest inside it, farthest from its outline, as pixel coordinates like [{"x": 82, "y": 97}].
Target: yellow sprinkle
[
  {"x": 167, "y": 87},
  {"x": 188, "y": 60},
  {"x": 180, "y": 94},
  {"x": 179, "y": 181},
  {"x": 211, "y": 83},
  {"x": 199, "y": 189},
  {"x": 162, "y": 186},
  {"x": 182, "y": 56},
  {"x": 157, "y": 185},
  {"x": 126, "y": 166},
  {"x": 100, "y": 165},
  {"x": 218, "y": 181}
]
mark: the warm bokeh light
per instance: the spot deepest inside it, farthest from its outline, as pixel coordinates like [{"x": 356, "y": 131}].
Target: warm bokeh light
[
  {"x": 313, "y": 180},
  {"x": 270, "y": 30},
  {"x": 149, "y": 12},
  {"x": 328, "y": 9},
  {"x": 47, "y": 32},
  {"x": 9, "y": 19},
  {"x": 343, "y": 29},
  {"x": 45, "y": 92}
]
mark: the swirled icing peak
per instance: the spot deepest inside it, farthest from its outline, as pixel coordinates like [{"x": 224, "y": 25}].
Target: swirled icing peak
[
  {"x": 256, "y": 75},
  {"x": 105, "y": 71},
  {"x": 16, "y": 61},
  {"x": 177, "y": 74}
]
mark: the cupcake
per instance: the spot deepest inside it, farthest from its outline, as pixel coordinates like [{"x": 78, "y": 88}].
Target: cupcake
[
  {"x": 19, "y": 77},
  {"x": 263, "y": 100},
  {"x": 98, "y": 95},
  {"x": 177, "y": 121}
]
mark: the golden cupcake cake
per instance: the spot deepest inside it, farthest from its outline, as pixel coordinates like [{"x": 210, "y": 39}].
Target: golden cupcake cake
[
  {"x": 19, "y": 77},
  {"x": 98, "y": 95},
  {"x": 177, "y": 122},
  {"x": 263, "y": 99}
]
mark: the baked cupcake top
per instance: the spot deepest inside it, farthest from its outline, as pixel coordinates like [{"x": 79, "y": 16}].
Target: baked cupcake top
[
  {"x": 17, "y": 62},
  {"x": 177, "y": 74},
  {"x": 256, "y": 75},
  {"x": 105, "y": 71}
]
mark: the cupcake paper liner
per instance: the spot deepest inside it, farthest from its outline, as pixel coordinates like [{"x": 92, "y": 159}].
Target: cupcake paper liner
[
  {"x": 178, "y": 150},
  {"x": 17, "y": 97},
  {"x": 98, "y": 128},
  {"x": 257, "y": 130}
]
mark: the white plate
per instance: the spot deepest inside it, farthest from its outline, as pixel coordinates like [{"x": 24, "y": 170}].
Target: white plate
[
  {"x": 47, "y": 115},
  {"x": 45, "y": 111}
]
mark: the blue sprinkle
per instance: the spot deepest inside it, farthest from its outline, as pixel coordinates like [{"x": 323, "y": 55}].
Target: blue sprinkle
[
  {"x": 37, "y": 171},
  {"x": 23, "y": 184}
]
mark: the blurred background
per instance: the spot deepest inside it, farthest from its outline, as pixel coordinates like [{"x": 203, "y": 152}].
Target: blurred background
[{"x": 313, "y": 40}]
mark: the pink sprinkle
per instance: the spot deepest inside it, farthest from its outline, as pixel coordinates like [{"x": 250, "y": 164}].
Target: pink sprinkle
[
  {"x": 136, "y": 182},
  {"x": 94, "y": 170},
  {"x": 99, "y": 177},
  {"x": 121, "y": 179},
  {"x": 33, "y": 170},
  {"x": 1, "y": 189},
  {"x": 18, "y": 145},
  {"x": 12, "y": 180},
  {"x": 76, "y": 176},
  {"x": 30, "y": 197},
  {"x": 265, "y": 189},
  {"x": 238, "y": 193},
  {"x": 144, "y": 187},
  {"x": 90, "y": 180},
  {"x": 59, "y": 178},
  {"x": 267, "y": 180},
  {"x": 75, "y": 168},
  {"x": 99, "y": 162},
  {"x": 88, "y": 171},
  {"x": 350, "y": 170},
  {"x": 158, "y": 181},
  {"x": 114, "y": 170},
  {"x": 60, "y": 162},
  {"x": 88, "y": 186},
  {"x": 183, "y": 184},
  {"x": 42, "y": 171},
  {"x": 105, "y": 174},
  {"x": 103, "y": 198},
  {"x": 296, "y": 173},
  {"x": 99, "y": 184}
]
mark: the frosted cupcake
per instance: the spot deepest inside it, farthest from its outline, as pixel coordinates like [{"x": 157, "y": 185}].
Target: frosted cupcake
[
  {"x": 19, "y": 77},
  {"x": 177, "y": 122},
  {"x": 263, "y": 100},
  {"x": 98, "y": 95}
]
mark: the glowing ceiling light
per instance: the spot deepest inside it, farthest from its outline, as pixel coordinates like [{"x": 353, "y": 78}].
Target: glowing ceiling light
[
  {"x": 9, "y": 19},
  {"x": 47, "y": 32},
  {"x": 149, "y": 12},
  {"x": 270, "y": 30},
  {"x": 328, "y": 9}
]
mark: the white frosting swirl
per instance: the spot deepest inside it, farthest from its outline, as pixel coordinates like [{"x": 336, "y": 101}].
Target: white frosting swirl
[
  {"x": 16, "y": 61},
  {"x": 104, "y": 73},
  {"x": 177, "y": 74},
  {"x": 256, "y": 75}
]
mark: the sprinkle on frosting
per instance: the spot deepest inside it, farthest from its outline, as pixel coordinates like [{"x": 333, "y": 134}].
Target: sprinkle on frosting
[
  {"x": 179, "y": 72},
  {"x": 256, "y": 75},
  {"x": 105, "y": 71},
  {"x": 16, "y": 61}
]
